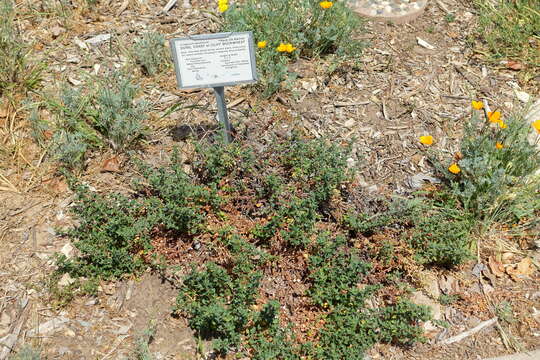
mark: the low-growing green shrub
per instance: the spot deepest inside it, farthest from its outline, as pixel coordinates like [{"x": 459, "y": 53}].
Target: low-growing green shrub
[
  {"x": 351, "y": 331},
  {"x": 440, "y": 235},
  {"x": 335, "y": 272},
  {"x": 114, "y": 231},
  {"x": 267, "y": 208},
  {"x": 351, "y": 328},
  {"x": 366, "y": 224},
  {"x": 218, "y": 161},
  {"x": 218, "y": 304},
  {"x": 286, "y": 30},
  {"x": 150, "y": 53}
]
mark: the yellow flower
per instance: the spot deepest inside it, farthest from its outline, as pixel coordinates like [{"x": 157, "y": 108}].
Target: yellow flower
[
  {"x": 536, "y": 125},
  {"x": 285, "y": 48},
  {"x": 261, "y": 44},
  {"x": 290, "y": 48},
  {"x": 499, "y": 146},
  {"x": 502, "y": 124},
  {"x": 454, "y": 168},
  {"x": 494, "y": 116},
  {"x": 426, "y": 140},
  {"x": 326, "y": 4},
  {"x": 223, "y": 7},
  {"x": 477, "y": 105}
]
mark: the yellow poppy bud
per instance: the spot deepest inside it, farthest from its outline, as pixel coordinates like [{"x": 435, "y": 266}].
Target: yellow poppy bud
[
  {"x": 502, "y": 125},
  {"x": 494, "y": 116},
  {"x": 454, "y": 169},
  {"x": 536, "y": 125},
  {"x": 326, "y": 4},
  {"x": 261, "y": 44},
  {"x": 426, "y": 140},
  {"x": 477, "y": 105},
  {"x": 499, "y": 146}
]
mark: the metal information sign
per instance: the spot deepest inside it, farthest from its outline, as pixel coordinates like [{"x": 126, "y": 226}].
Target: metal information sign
[{"x": 216, "y": 61}]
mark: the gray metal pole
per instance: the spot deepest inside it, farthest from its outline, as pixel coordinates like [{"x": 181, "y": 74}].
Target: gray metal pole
[{"x": 222, "y": 112}]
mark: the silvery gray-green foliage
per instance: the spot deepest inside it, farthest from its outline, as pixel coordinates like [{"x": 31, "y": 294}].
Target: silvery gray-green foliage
[
  {"x": 150, "y": 53},
  {"x": 27, "y": 353},
  {"x": 91, "y": 117},
  {"x": 495, "y": 183},
  {"x": 119, "y": 118},
  {"x": 69, "y": 148}
]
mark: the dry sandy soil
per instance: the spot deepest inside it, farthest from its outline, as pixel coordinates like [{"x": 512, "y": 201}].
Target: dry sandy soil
[{"x": 401, "y": 90}]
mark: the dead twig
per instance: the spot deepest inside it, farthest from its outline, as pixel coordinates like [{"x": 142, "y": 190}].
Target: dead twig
[
  {"x": 8, "y": 185},
  {"x": 470, "y": 332},
  {"x": 9, "y": 341},
  {"x": 443, "y": 7}
]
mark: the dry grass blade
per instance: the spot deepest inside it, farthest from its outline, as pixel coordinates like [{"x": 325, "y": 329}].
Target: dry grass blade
[{"x": 8, "y": 185}]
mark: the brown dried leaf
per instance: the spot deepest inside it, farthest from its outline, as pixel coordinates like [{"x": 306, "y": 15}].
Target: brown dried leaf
[
  {"x": 514, "y": 65},
  {"x": 522, "y": 270},
  {"x": 47, "y": 134},
  {"x": 496, "y": 267},
  {"x": 56, "y": 185},
  {"x": 3, "y": 111},
  {"x": 111, "y": 165},
  {"x": 525, "y": 267}
]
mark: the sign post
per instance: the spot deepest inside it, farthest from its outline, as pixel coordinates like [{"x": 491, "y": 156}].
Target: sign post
[{"x": 215, "y": 61}]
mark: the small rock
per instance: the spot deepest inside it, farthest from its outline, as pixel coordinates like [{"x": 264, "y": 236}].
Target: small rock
[
  {"x": 5, "y": 319},
  {"x": 432, "y": 287},
  {"x": 67, "y": 250},
  {"x": 350, "y": 123},
  {"x": 98, "y": 39},
  {"x": 69, "y": 332},
  {"x": 91, "y": 302},
  {"x": 522, "y": 96},
  {"x": 123, "y": 330},
  {"x": 536, "y": 314},
  {"x": 533, "y": 114},
  {"x": 65, "y": 280},
  {"x": 64, "y": 351},
  {"x": 85, "y": 324},
  {"x": 419, "y": 298},
  {"x": 57, "y": 31},
  {"x": 478, "y": 268},
  {"x": 448, "y": 285},
  {"x": 73, "y": 59},
  {"x": 109, "y": 289},
  {"x": 430, "y": 329},
  {"x": 425, "y": 44},
  {"x": 81, "y": 44},
  {"x": 48, "y": 327}
]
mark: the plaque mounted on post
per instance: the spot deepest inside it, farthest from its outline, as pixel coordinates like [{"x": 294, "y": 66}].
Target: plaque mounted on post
[{"x": 215, "y": 61}]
